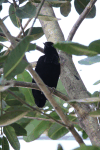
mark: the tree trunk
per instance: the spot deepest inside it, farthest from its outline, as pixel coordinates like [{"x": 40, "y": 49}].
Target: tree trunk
[{"x": 71, "y": 79}]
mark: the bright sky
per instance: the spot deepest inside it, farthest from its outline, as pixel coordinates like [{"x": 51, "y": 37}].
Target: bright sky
[{"x": 87, "y": 32}]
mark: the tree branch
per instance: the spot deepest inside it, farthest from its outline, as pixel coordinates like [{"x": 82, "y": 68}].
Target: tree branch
[
  {"x": 44, "y": 119},
  {"x": 80, "y": 19},
  {"x": 34, "y": 86}
]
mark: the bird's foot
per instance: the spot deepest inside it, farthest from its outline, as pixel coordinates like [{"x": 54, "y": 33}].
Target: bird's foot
[{"x": 52, "y": 90}]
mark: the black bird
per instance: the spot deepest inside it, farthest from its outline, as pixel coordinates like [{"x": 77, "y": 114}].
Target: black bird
[{"x": 48, "y": 68}]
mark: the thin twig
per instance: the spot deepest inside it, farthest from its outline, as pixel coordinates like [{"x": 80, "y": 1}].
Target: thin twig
[
  {"x": 15, "y": 5},
  {"x": 24, "y": 27},
  {"x": 80, "y": 19},
  {"x": 38, "y": 11},
  {"x": 21, "y": 26},
  {"x": 4, "y": 45},
  {"x": 44, "y": 119},
  {"x": 39, "y": 49}
]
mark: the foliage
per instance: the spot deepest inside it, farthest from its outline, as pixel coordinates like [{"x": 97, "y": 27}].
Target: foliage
[{"x": 14, "y": 68}]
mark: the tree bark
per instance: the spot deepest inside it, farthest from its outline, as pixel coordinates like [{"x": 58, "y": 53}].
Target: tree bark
[{"x": 71, "y": 79}]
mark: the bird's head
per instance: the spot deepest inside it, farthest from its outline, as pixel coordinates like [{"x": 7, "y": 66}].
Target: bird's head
[
  {"x": 48, "y": 44},
  {"x": 49, "y": 49}
]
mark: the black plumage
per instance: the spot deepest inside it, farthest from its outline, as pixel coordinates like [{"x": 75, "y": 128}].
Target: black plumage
[{"x": 48, "y": 68}]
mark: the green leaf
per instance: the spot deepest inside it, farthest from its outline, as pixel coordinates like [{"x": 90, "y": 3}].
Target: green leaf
[
  {"x": 19, "y": 130},
  {"x": 30, "y": 130},
  {"x": 25, "y": 77},
  {"x": 56, "y": 131},
  {"x": 0, "y": 141},
  {"x": 5, "y": 1},
  {"x": 13, "y": 16},
  {"x": 60, "y": 103},
  {"x": 83, "y": 147},
  {"x": 14, "y": 88},
  {"x": 97, "y": 82},
  {"x": 12, "y": 101},
  {"x": 1, "y": 47},
  {"x": 2, "y": 37},
  {"x": 3, "y": 104},
  {"x": 80, "y": 6},
  {"x": 47, "y": 18},
  {"x": 12, "y": 137},
  {"x": 89, "y": 60},
  {"x": 95, "y": 113},
  {"x": 3, "y": 58},
  {"x": 78, "y": 127},
  {"x": 14, "y": 63},
  {"x": 19, "y": 69},
  {"x": 60, "y": 87},
  {"x": 21, "y": 1},
  {"x": 95, "y": 94},
  {"x": 12, "y": 115},
  {"x": 36, "y": 33},
  {"x": 56, "y": 3},
  {"x": 31, "y": 47},
  {"x": 72, "y": 118},
  {"x": 51, "y": 0},
  {"x": 74, "y": 48},
  {"x": 37, "y": 130},
  {"x": 84, "y": 135},
  {"x": 1, "y": 1},
  {"x": 65, "y": 9},
  {"x": 2, "y": 53},
  {"x": 0, "y": 7},
  {"x": 41, "y": 127},
  {"x": 95, "y": 46},
  {"x": 60, "y": 147},
  {"x": 18, "y": 108},
  {"x": 25, "y": 121},
  {"x": 54, "y": 115},
  {"x": 26, "y": 11},
  {"x": 5, "y": 145}
]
